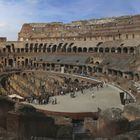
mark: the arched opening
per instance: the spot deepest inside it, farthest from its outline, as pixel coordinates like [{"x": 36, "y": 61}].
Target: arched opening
[
  {"x": 35, "y": 49},
  {"x": 4, "y": 50},
  {"x": 90, "y": 49},
  {"x": 26, "y": 62},
  {"x": 44, "y": 66},
  {"x": 64, "y": 48},
  {"x": 113, "y": 50},
  {"x": 79, "y": 49},
  {"x": 71, "y": 44},
  {"x": 101, "y": 50},
  {"x": 24, "y": 75},
  {"x": 26, "y": 45},
  {"x": 10, "y": 62},
  {"x": 125, "y": 50},
  {"x": 36, "y": 44},
  {"x": 99, "y": 43},
  {"x": 59, "y": 47},
  {"x": 69, "y": 49},
  {"x": 18, "y": 50},
  {"x": 54, "y": 48},
  {"x": 13, "y": 47},
  {"x": 31, "y": 47},
  {"x": 40, "y": 47},
  {"x": 131, "y": 50},
  {"x": 96, "y": 49},
  {"x": 49, "y": 49},
  {"x": 22, "y": 63},
  {"x": 76, "y": 81},
  {"x": 22, "y": 50},
  {"x": 44, "y": 48},
  {"x": 106, "y": 50},
  {"x": 136, "y": 77},
  {"x": 119, "y": 50},
  {"x": 84, "y": 49},
  {"x": 97, "y": 63},
  {"x": 74, "y": 49},
  {"x": 8, "y": 47}
]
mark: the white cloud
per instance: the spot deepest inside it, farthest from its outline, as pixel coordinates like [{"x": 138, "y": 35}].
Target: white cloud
[{"x": 14, "y": 13}]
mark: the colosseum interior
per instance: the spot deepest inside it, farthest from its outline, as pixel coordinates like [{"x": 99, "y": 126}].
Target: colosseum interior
[{"x": 74, "y": 81}]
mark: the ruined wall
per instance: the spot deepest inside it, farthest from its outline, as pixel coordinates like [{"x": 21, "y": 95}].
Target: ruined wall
[{"x": 95, "y": 29}]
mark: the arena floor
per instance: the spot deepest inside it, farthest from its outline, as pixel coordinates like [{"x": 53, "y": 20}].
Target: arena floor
[{"x": 106, "y": 97}]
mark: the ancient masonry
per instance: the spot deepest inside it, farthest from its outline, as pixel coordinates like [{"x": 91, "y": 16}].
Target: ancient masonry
[{"x": 109, "y": 46}]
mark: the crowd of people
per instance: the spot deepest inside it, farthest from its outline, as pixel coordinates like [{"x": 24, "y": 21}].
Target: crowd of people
[{"x": 69, "y": 87}]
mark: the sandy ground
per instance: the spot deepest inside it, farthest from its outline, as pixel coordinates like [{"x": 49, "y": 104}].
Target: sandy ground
[{"x": 106, "y": 97}]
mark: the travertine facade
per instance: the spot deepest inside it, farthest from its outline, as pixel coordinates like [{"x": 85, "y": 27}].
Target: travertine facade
[{"x": 110, "y": 46}]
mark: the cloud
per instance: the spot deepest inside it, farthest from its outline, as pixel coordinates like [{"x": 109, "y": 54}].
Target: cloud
[{"x": 14, "y": 13}]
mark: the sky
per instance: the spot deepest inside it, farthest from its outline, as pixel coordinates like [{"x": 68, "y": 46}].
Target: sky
[{"x": 14, "y": 13}]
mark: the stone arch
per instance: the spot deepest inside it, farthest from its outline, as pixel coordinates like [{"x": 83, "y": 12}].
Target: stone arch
[
  {"x": 31, "y": 47},
  {"x": 96, "y": 49},
  {"x": 74, "y": 49},
  {"x": 84, "y": 49},
  {"x": 71, "y": 44},
  {"x": 40, "y": 47},
  {"x": 35, "y": 49},
  {"x": 97, "y": 63},
  {"x": 119, "y": 50},
  {"x": 125, "y": 50},
  {"x": 90, "y": 49},
  {"x": 131, "y": 50},
  {"x": 76, "y": 80},
  {"x": 18, "y": 50},
  {"x": 54, "y": 48},
  {"x": 59, "y": 48},
  {"x": 79, "y": 49},
  {"x": 113, "y": 50},
  {"x": 13, "y": 47},
  {"x": 64, "y": 47},
  {"x": 44, "y": 48},
  {"x": 69, "y": 49},
  {"x": 136, "y": 77},
  {"x": 99, "y": 43},
  {"x": 27, "y": 45},
  {"x": 10, "y": 62},
  {"x": 24, "y": 75},
  {"x": 22, "y": 50},
  {"x": 22, "y": 63},
  {"x": 8, "y": 47},
  {"x": 4, "y": 50},
  {"x": 101, "y": 50},
  {"x": 44, "y": 66},
  {"x": 26, "y": 62},
  {"x": 107, "y": 50},
  {"x": 49, "y": 49}
]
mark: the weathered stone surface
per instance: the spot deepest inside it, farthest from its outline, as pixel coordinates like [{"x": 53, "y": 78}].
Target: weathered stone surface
[
  {"x": 111, "y": 122},
  {"x": 134, "y": 125},
  {"x": 65, "y": 132},
  {"x": 24, "y": 108},
  {"x": 133, "y": 135},
  {"x": 132, "y": 111},
  {"x": 5, "y": 105},
  {"x": 90, "y": 125}
]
